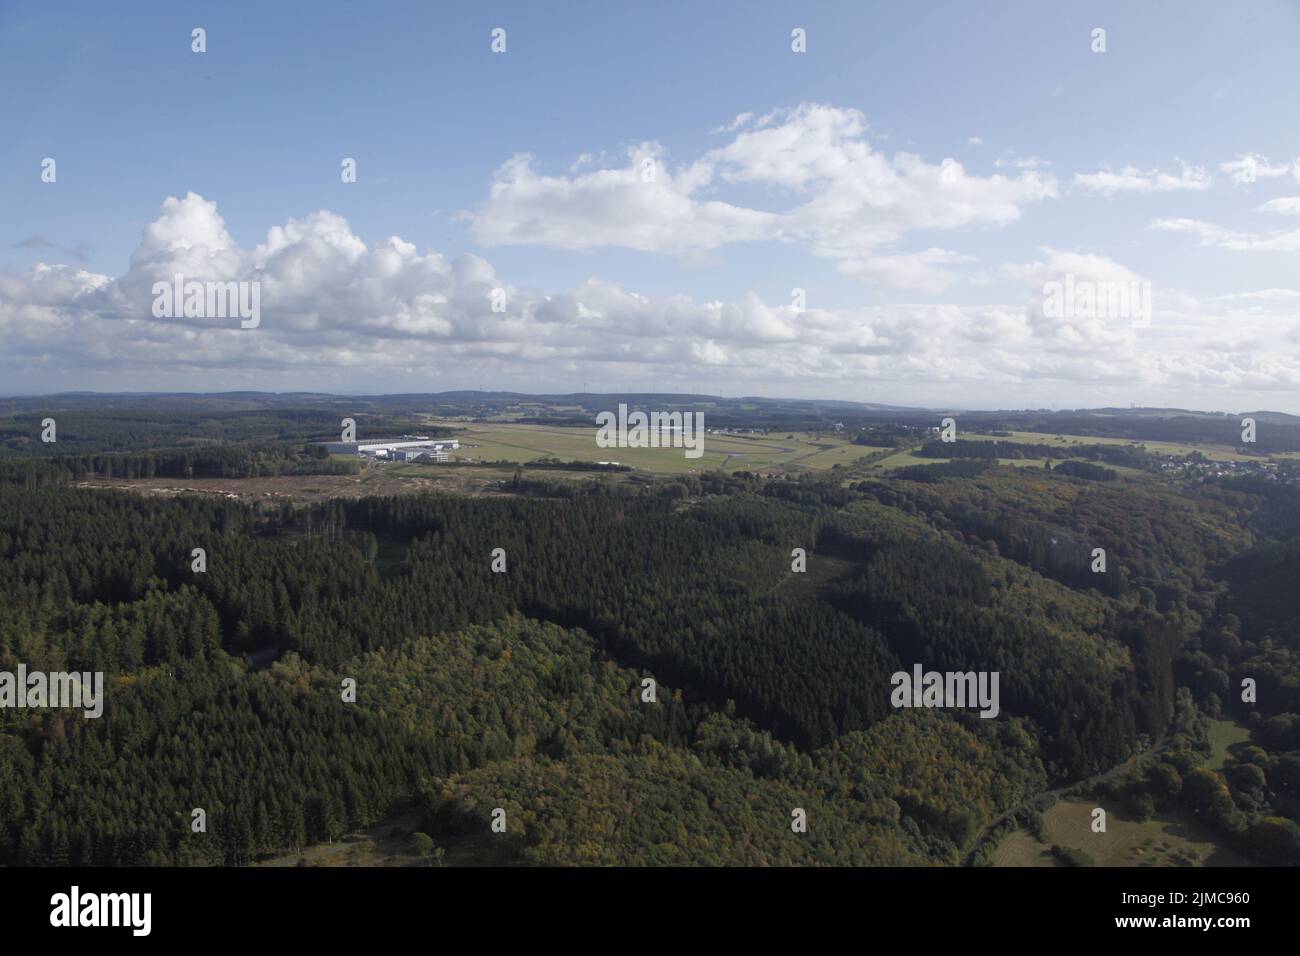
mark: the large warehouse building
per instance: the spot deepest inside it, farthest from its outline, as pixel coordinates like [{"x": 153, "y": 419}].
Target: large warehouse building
[{"x": 384, "y": 448}]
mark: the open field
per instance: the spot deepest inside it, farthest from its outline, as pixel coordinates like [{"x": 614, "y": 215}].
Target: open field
[
  {"x": 1217, "y": 452},
  {"x": 1172, "y": 839},
  {"x": 789, "y": 451},
  {"x": 387, "y": 843},
  {"x": 1225, "y": 737},
  {"x": 904, "y": 459},
  {"x": 517, "y": 444},
  {"x": 382, "y": 480}
]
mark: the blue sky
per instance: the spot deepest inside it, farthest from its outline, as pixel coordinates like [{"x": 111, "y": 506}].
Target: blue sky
[{"x": 908, "y": 298}]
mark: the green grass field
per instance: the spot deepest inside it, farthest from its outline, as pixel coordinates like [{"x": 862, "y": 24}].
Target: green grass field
[
  {"x": 503, "y": 441},
  {"x": 778, "y": 452},
  {"x": 904, "y": 459},
  {"x": 1175, "y": 839},
  {"x": 1224, "y": 736},
  {"x": 1217, "y": 452}
]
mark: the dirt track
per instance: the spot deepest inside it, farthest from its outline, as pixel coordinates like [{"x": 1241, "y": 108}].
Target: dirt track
[{"x": 300, "y": 487}]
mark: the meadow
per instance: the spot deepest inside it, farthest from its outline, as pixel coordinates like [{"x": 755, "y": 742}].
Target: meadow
[
  {"x": 907, "y": 457},
  {"x": 1175, "y": 839},
  {"x": 1216, "y": 452},
  {"x": 779, "y": 451}
]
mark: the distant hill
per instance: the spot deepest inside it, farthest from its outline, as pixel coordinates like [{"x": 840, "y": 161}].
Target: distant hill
[{"x": 172, "y": 417}]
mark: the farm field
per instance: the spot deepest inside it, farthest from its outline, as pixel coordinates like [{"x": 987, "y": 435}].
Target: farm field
[
  {"x": 1176, "y": 839},
  {"x": 905, "y": 459},
  {"x": 1217, "y": 452}
]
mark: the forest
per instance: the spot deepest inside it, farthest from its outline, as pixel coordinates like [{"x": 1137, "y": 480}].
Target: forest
[{"x": 518, "y": 684}]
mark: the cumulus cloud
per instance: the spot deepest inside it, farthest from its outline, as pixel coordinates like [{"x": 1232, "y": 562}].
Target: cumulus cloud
[
  {"x": 642, "y": 205},
  {"x": 334, "y": 305},
  {"x": 830, "y": 189},
  {"x": 1080, "y": 326}
]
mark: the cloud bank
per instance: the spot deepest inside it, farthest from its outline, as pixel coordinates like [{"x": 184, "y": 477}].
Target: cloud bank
[{"x": 335, "y": 308}]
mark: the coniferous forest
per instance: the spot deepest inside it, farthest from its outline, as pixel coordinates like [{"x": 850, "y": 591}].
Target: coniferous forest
[{"x": 498, "y": 649}]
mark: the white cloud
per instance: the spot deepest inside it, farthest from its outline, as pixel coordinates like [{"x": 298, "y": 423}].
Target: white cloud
[
  {"x": 1212, "y": 235},
  {"x": 336, "y": 307},
  {"x": 1021, "y": 162},
  {"x": 1077, "y": 269},
  {"x": 1261, "y": 295},
  {"x": 842, "y": 198},
  {"x": 1249, "y": 167},
  {"x": 1286, "y": 204},
  {"x": 642, "y": 205},
  {"x": 1131, "y": 179},
  {"x": 919, "y": 271},
  {"x": 741, "y": 120}
]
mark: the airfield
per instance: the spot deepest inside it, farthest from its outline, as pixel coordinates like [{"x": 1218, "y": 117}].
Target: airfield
[{"x": 778, "y": 451}]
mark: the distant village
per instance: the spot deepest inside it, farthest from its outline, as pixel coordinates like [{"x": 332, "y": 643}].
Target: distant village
[{"x": 1197, "y": 466}]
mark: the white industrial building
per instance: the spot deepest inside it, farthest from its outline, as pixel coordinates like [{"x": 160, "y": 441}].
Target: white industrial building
[
  {"x": 408, "y": 446},
  {"x": 419, "y": 454}
]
